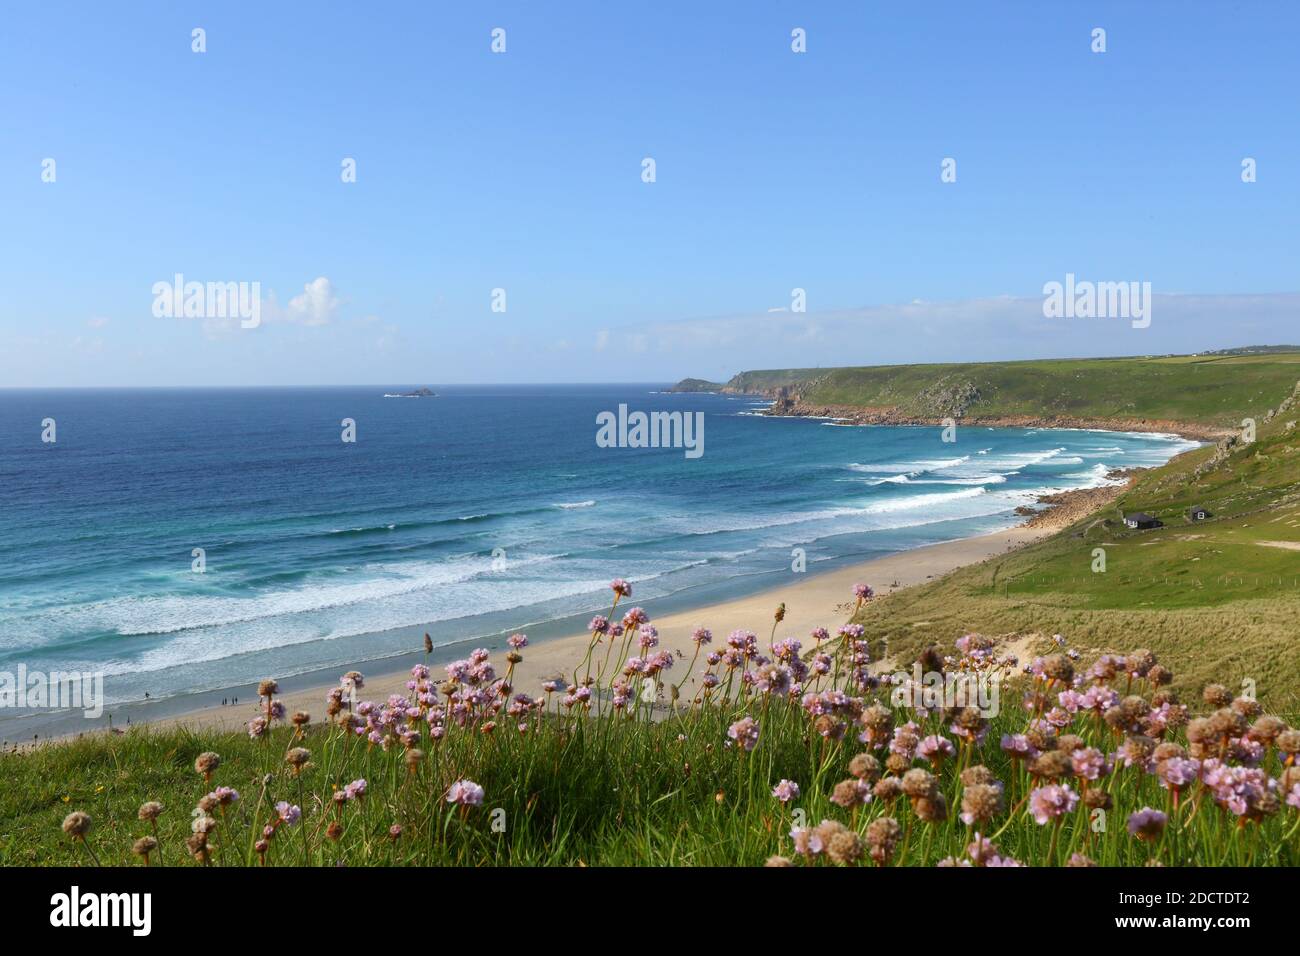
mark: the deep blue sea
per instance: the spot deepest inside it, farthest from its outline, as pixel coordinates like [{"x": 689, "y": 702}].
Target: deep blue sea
[{"x": 479, "y": 511}]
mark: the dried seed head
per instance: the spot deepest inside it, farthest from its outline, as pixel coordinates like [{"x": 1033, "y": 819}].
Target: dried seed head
[
  {"x": 1266, "y": 728},
  {"x": 1069, "y": 743},
  {"x": 887, "y": 788},
  {"x": 1176, "y": 716},
  {"x": 1096, "y": 799},
  {"x": 829, "y": 829},
  {"x": 1247, "y": 707},
  {"x": 844, "y": 848},
  {"x": 150, "y": 810},
  {"x": 1140, "y": 662},
  {"x": 882, "y": 836},
  {"x": 829, "y": 727},
  {"x": 878, "y": 718},
  {"x": 931, "y": 809},
  {"x": 981, "y": 802},
  {"x": 1138, "y": 749},
  {"x": 897, "y": 763},
  {"x": 1166, "y": 751},
  {"x": 1052, "y": 765},
  {"x": 197, "y": 844},
  {"x": 77, "y": 824},
  {"x": 207, "y": 762},
  {"x": 144, "y": 846},
  {"x": 1216, "y": 695},
  {"x": 1288, "y": 742},
  {"x": 1059, "y": 668},
  {"x": 919, "y": 783},
  {"x": 1040, "y": 739},
  {"x": 1226, "y": 722},
  {"x": 1164, "y": 696},
  {"x": 977, "y": 774},
  {"x": 1134, "y": 707},
  {"x": 847, "y": 793},
  {"x": 865, "y": 767},
  {"x": 1159, "y": 676}
]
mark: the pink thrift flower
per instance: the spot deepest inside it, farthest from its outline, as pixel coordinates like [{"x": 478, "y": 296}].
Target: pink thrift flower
[{"x": 466, "y": 793}]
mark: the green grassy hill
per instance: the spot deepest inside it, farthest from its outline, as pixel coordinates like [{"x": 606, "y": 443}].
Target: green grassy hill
[
  {"x": 762, "y": 382},
  {"x": 1216, "y": 598},
  {"x": 1213, "y": 390}
]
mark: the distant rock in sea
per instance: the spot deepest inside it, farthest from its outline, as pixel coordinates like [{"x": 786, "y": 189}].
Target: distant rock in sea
[{"x": 424, "y": 392}]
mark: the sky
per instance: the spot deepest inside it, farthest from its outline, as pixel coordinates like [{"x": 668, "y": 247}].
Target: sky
[{"x": 523, "y": 171}]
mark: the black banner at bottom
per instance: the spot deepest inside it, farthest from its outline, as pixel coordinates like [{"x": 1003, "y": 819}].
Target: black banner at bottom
[{"x": 173, "y": 904}]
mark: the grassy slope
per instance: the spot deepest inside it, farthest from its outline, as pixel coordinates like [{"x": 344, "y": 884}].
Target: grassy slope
[
  {"x": 1209, "y": 598},
  {"x": 759, "y": 381},
  {"x": 1212, "y": 390},
  {"x": 631, "y": 793}
]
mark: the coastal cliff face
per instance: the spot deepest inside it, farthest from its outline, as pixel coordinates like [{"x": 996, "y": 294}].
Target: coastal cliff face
[
  {"x": 1204, "y": 397},
  {"x": 791, "y": 407}
]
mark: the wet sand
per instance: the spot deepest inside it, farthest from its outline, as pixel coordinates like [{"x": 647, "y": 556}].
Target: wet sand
[{"x": 824, "y": 600}]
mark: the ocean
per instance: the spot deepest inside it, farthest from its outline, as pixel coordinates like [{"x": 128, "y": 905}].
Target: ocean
[{"x": 467, "y": 515}]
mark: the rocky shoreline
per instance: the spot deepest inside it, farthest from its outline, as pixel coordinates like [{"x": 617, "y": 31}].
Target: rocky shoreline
[{"x": 1064, "y": 508}]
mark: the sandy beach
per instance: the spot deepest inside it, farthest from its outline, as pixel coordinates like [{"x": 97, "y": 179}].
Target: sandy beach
[{"x": 817, "y": 600}]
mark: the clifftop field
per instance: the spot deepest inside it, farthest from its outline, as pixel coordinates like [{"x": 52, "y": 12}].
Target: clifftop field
[{"x": 1212, "y": 391}]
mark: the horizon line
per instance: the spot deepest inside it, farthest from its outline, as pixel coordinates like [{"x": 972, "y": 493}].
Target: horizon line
[{"x": 1280, "y": 348}]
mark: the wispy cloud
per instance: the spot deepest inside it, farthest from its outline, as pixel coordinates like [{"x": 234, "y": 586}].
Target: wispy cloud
[{"x": 1001, "y": 327}]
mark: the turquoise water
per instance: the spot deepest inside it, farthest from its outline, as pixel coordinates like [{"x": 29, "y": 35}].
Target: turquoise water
[{"x": 481, "y": 510}]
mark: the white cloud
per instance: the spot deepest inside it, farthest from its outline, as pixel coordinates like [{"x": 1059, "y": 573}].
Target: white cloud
[{"x": 315, "y": 305}]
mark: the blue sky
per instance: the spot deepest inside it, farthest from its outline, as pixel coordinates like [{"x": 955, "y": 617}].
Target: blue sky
[{"x": 522, "y": 171}]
